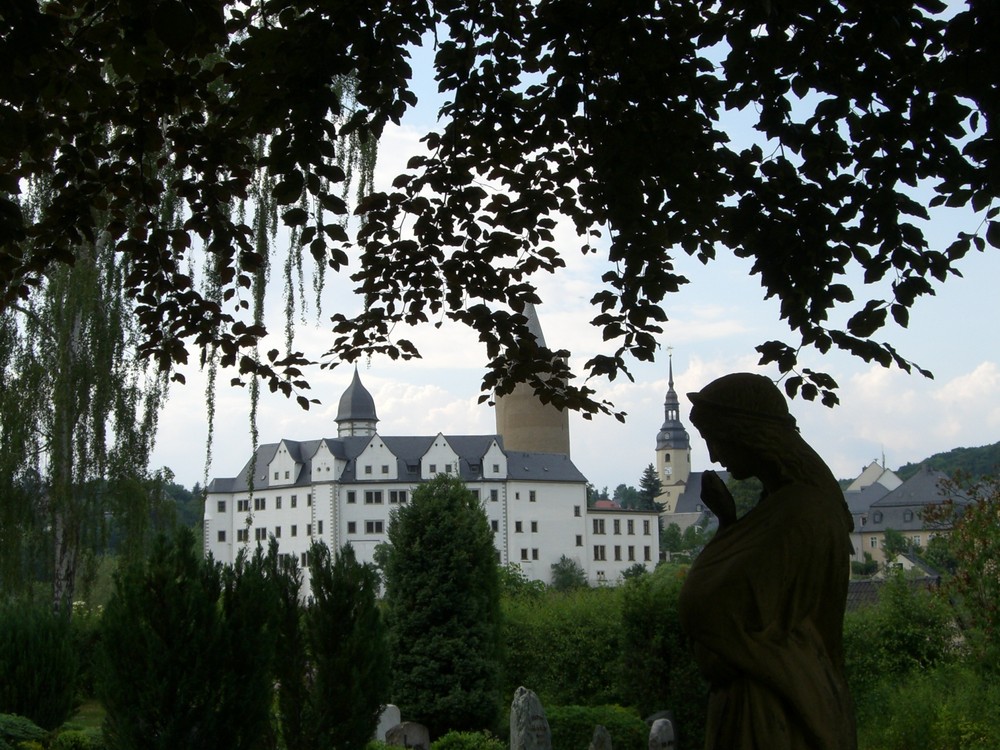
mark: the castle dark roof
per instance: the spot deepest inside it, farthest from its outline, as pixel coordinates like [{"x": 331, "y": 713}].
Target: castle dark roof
[
  {"x": 408, "y": 450},
  {"x": 357, "y": 404}
]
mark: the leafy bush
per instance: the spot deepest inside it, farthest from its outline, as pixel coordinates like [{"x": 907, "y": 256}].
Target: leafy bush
[
  {"x": 573, "y": 727},
  {"x": 38, "y": 663},
  {"x": 546, "y": 640},
  {"x": 16, "y": 729},
  {"x": 658, "y": 667},
  {"x": 78, "y": 739},
  {"x": 468, "y": 741},
  {"x": 952, "y": 707},
  {"x": 909, "y": 630}
]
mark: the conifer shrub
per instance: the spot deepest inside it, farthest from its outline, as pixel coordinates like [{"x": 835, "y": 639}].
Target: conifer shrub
[
  {"x": 573, "y": 726},
  {"x": 38, "y": 663},
  {"x": 443, "y": 601},
  {"x": 15, "y": 730},
  {"x": 186, "y": 652}
]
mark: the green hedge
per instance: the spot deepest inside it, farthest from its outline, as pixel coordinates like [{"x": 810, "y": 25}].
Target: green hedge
[
  {"x": 468, "y": 741},
  {"x": 573, "y": 727}
]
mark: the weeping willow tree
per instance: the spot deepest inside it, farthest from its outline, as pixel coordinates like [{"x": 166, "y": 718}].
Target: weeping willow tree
[
  {"x": 140, "y": 206},
  {"x": 77, "y": 420}
]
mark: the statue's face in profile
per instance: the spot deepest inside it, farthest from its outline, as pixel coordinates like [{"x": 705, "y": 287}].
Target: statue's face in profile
[{"x": 734, "y": 457}]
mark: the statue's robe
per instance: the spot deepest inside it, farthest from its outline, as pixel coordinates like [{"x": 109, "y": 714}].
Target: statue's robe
[{"x": 764, "y": 606}]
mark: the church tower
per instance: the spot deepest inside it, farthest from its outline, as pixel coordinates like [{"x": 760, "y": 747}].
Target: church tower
[
  {"x": 356, "y": 412},
  {"x": 673, "y": 449},
  {"x": 524, "y": 422}
]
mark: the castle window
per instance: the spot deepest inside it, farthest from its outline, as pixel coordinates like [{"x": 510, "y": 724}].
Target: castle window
[
  {"x": 599, "y": 553},
  {"x": 646, "y": 554},
  {"x": 618, "y": 553},
  {"x": 631, "y": 526},
  {"x": 534, "y": 527},
  {"x": 373, "y": 497},
  {"x": 534, "y": 554},
  {"x": 432, "y": 468},
  {"x": 579, "y": 540},
  {"x": 222, "y": 535},
  {"x": 352, "y": 496},
  {"x": 576, "y": 511},
  {"x": 494, "y": 495},
  {"x": 496, "y": 468},
  {"x": 260, "y": 534},
  {"x": 618, "y": 526},
  {"x": 221, "y": 506},
  {"x": 645, "y": 528},
  {"x": 286, "y": 475},
  {"x": 277, "y": 532},
  {"x": 495, "y": 525},
  {"x": 374, "y": 527},
  {"x": 276, "y": 475},
  {"x": 524, "y": 554},
  {"x": 295, "y": 530},
  {"x": 352, "y": 527},
  {"x": 260, "y": 503},
  {"x": 518, "y": 527},
  {"x": 295, "y": 500},
  {"x": 385, "y": 468},
  {"x": 242, "y": 505},
  {"x": 309, "y": 529},
  {"x": 531, "y": 496},
  {"x": 242, "y": 535},
  {"x": 277, "y": 503},
  {"x": 598, "y": 525},
  {"x": 319, "y": 527},
  {"x": 368, "y": 469},
  {"x": 631, "y": 553}
]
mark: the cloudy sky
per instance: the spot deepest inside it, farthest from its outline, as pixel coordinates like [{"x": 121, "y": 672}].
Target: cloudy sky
[{"x": 715, "y": 323}]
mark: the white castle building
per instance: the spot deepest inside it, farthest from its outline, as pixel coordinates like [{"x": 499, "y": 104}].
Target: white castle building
[{"x": 343, "y": 489}]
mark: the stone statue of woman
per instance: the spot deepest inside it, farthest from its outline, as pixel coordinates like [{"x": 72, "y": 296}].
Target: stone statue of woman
[{"x": 764, "y": 602}]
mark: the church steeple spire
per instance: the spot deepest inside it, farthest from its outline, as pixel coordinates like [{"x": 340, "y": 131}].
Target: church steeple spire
[
  {"x": 673, "y": 446},
  {"x": 672, "y": 434}
]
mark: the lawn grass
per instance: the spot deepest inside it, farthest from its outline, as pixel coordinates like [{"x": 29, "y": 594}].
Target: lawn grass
[{"x": 89, "y": 715}]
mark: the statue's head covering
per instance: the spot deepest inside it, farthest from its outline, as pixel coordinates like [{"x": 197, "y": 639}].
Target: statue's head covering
[{"x": 740, "y": 396}]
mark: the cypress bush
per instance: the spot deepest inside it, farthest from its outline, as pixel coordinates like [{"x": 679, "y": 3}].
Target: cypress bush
[
  {"x": 186, "y": 652},
  {"x": 349, "y": 649},
  {"x": 38, "y": 663},
  {"x": 443, "y": 597}
]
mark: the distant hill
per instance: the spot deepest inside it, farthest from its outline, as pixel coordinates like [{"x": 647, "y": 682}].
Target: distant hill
[{"x": 974, "y": 461}]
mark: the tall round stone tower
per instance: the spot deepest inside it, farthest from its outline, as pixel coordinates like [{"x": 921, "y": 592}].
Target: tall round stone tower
[{"x": 524, "y": 422}]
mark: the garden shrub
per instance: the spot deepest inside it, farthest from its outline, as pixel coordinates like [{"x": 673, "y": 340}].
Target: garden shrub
[
  {"x": 16, "y": 729},
  {"x": 952, "y": 707},
  {"x": 658, "y": 670},
  {"x": 186, "y": 652},
  {"x": 561, "y": 634},
  {"x": 38, "y": 663},
  {"x": 468, "y": 741},
  {"x": 573, "y": 727},
  {"x": 78, "y": 739}
]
